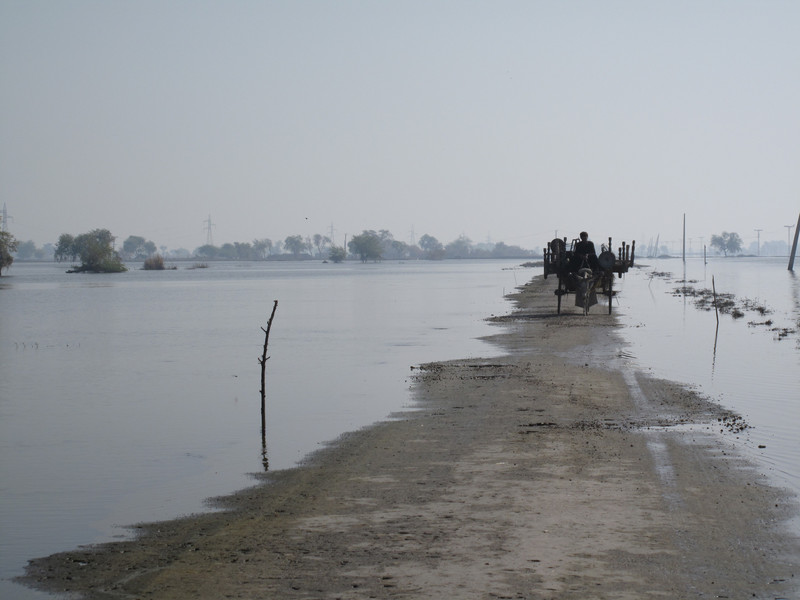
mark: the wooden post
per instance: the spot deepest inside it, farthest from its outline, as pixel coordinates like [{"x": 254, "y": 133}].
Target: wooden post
[
  {"x": 264, "y": 358},
  {"x": 714, "y": 288},
  {"x": 263, "y": 362},
  {"x": 794, "y": 245},
  {"x": 684, "y": 238}
]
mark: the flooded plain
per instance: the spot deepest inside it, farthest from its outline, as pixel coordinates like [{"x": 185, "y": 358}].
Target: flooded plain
[
  {"x": 134, "y": 397},
  {"x": 749, "y": 362}
]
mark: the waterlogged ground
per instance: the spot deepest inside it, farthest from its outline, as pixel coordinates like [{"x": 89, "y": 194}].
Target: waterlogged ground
[
  {"x": 134, "y": 397},
  {"x": 748, "y": 361},
  {"x": 554, "y": 470},
  {"x": 199, "y": 330}
]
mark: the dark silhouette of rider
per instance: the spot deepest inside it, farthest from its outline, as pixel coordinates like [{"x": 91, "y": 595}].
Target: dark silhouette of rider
[{"x": 584, "y": 251}]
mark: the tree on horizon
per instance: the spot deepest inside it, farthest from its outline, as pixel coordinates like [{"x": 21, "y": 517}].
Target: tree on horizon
[
  {"x": 727, "y": 242},
  {"x": 294, "y": 244},
  {"x": 367, "y": 246}
]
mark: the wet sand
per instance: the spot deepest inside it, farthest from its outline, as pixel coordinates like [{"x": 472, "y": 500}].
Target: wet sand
[{"x": 552, "y": 471}]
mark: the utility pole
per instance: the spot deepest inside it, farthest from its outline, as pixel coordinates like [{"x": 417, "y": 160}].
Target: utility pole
[
  {"x": 758, "y": 231},
  {"x": 333, "y": 241},
  {"x": 413, "y": 238}
]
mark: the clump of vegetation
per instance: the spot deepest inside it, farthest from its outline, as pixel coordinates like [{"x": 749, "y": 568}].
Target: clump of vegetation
[
  {"x": 95, "y": 250},
  {"x": 756, "y": 306},
  {"x": 705, "y": 299},
  {"x": 154, "y": 263},
  {"x": 337, "y": 254},
  {"x": 199, "y": 266},
  {"x": 367, "y": 246}
]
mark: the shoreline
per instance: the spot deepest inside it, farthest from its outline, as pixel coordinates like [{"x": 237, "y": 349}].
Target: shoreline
[{"x": 552, "y": 471}]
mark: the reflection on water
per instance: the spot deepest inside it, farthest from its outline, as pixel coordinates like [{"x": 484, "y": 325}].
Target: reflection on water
[
  {"x": 132, "y": 397},
  {"x": 745, "y": 363},
  {"x": 795, "y": 290}
]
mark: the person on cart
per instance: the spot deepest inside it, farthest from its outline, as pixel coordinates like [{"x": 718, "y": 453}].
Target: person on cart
[{"x": 584, "y": 253}]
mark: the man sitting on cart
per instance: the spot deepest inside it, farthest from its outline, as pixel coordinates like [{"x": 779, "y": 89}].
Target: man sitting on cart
[{"x": 584, "y": 253}]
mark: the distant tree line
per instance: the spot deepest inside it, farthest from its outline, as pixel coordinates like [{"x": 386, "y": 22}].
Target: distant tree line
[
  {"x": 367, "y": 246},
  {"x": 96, "y": 250},
  {"x": 28, "y": 250}
]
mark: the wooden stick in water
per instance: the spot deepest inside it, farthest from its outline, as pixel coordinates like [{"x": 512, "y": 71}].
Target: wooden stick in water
[{"x": 714, "y": 289}]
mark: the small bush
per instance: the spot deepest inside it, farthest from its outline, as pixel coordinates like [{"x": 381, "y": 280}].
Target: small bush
[{"x": 154, "y": 263}]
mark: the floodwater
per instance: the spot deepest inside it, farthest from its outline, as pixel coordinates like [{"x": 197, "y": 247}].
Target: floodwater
[
  {"x": 133, "y": 397},
  {"x": 749, "y": 364}
]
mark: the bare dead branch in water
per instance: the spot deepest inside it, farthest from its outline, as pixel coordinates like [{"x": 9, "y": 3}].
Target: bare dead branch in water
[
  {"x": 263, "y": 362},
  {"x": 264, "y": 358}
]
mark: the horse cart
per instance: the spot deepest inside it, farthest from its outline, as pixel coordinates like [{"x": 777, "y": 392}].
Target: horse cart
[{"x": 586, "y": 276}]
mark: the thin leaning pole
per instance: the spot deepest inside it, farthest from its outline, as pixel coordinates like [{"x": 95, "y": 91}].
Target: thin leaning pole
[{"x": 794, "y": 245}]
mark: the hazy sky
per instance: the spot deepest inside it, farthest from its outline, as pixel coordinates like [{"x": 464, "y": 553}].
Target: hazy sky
[{"x": 494, "y": 119}]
